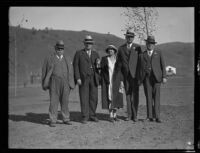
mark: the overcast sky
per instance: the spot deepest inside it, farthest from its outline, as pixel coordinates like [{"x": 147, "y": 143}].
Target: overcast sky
[{"x": 174, "y": 23}]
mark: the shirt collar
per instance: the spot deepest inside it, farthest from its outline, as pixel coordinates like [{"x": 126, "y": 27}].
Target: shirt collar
[
  {"x": 88, "y": 50},
  {"x": 59, "y": 57},
  {"x": 150, "y": 51},
  {"x": 129, "y": 45}
]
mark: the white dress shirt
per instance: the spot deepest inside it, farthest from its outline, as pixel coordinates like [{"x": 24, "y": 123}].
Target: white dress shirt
[
  {"x": 150, "y": 52},
  {"x": 59, "y": 57},
  {"x": 88, "y": 52},
  {"x": 129, "y": 45},
  {"x": 111, "y": 65}
]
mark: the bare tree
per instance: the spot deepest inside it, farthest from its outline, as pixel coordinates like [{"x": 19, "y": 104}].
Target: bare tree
[
  {"x": 19, "y": 25},
  {"x": 142, "y": 20}
]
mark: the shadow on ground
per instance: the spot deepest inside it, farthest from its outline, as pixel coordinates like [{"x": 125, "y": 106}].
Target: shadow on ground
[{"x": 43, "y": 118}]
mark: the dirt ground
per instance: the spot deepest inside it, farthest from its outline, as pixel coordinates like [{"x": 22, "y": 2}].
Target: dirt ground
[{"x": 28, "y": 118}]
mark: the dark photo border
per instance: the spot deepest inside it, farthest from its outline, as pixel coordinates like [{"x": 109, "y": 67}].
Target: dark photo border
[{"x": 5, "y": 4}]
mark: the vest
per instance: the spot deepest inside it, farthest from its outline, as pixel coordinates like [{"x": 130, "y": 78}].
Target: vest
[
  {"x": 60, "y": 69},
  {"x": 149, "y": 65},
  {"x": 91, "y": 67},
  {"x": 127, "y": 56}
]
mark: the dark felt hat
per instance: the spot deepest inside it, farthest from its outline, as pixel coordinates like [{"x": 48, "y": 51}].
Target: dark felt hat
[
  {"x": 59, "y": 44},
  {"x": 151, "y": 39},
  {"x": 129, "y": 33},
  {"x": 88, "y": 40}
]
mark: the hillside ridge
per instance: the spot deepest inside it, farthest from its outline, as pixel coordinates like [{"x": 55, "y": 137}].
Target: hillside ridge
[{"x": 34, "y": 45}]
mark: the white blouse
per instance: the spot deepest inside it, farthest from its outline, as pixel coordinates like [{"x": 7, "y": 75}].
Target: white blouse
[{"x": 111, "y": 65}]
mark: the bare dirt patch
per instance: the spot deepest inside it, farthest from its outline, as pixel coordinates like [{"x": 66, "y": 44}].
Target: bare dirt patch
[{"x": 28, "y": 118}]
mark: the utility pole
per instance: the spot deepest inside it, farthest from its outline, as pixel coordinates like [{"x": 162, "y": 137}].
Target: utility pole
[
  {"x": 146, "y": 21},
  {"x": 18, "y": 27},
  {"x": 16, "y": 63}
]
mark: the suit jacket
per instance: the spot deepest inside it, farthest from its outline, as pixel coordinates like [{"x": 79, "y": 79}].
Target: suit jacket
[
  {"x": 129, "y": 64},
  {"x": 157, "y": 63},
  {"x": 117, "y": 100},
  {"x": 47, "y": 70},
  {"x": 82, "y": 65}
]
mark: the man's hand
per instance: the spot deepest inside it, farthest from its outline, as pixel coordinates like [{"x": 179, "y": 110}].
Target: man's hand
[
  {"x": 121, "y": 87},
  {"x": 164, "y": 80},
  {"x": 98, "y": 63},
  {"x": 121, "y": 84},
  {"x": 47, "y": 78},
  {"x": 79, "y": 82}
]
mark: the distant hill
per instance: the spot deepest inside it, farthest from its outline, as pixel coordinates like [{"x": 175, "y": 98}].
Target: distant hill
[
  {"x": 34, "y": 45},
  {"x": 179, "y": 55}
]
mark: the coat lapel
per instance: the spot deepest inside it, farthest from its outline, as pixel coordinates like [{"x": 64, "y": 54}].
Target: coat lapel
[
  {"x": 154, "y": 55},
  {"x": 106, "y": 62},
  {"x": 124, "y": 48},
  {"x": 145, "y": 56},
  {"x": 85, "y": 55},
  {"x": 132, "y": 50},
  {"x": 92, "y": 57},
  {"x": 67, "y": 63}
]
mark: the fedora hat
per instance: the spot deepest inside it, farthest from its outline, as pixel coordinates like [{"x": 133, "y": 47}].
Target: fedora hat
[
  {"x": 59, "y": 44},
  {"x": 111, "y": 47},
  {"x": 88, "y": 40},
  {"x": 129, "y": 33},
  {"x": 151, "y": 39}
]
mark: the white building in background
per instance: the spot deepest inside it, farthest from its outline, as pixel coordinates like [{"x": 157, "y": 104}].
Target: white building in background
[{"x": 170, "y": 70}]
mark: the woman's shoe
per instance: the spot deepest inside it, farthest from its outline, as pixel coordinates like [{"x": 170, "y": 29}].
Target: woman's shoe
[
  {"x": 116, "y": 119},
  {"x": 112, "y": 120},
  {"x": 52, "y": 124}
]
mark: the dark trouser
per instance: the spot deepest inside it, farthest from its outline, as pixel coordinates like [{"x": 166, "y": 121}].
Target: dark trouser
[
  {"x": 152, "y": 93},
  {"x": 132, "y": 96},
  {"x": 88, "y": 92},
  {"x": 59, "y": 93}
]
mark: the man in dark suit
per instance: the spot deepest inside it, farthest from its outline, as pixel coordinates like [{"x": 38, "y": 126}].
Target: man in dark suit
[
  {"x": 87, "y": 77},
  {"x": 57, "y": 76},
  {"x": 152, "y": 72},
  {"x": 127, "y": 58}
]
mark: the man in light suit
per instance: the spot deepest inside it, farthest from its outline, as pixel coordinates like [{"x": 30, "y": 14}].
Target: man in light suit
[
  {"x": 127, "y": 61},
  {"x": 57, "y": 77},
  {"x": 87, "y": 77},
  {"x": 152, "y": 72}
]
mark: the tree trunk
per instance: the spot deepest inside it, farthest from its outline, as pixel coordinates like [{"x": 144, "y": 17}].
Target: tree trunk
[{"x": 146, "y": 22}]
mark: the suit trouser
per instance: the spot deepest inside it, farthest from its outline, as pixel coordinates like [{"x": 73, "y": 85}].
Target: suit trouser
[
  {"x": 132, "y": 96},
  {"x": 88, "y": 92},
  {"x": 59, "y": 93},
  {"x": 152, "y": 93}
]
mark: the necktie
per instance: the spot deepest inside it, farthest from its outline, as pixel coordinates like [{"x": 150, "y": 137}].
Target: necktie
[
  {"x": 60, "y": 58},
  {"x": 149, "y": 53},
  {"x": 129, "y": 46},
  {"x": 89, "y": 52}
]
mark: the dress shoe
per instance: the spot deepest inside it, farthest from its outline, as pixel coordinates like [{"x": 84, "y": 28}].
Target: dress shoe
[
  {"x": 135, "y": 120},
  {"x": 150, "y": 119},
  {"x": 51, "y": 124},
  {"x": 94, "y": 119},
  {"x": 116, "y": 119},
  {"x": 158, "y": 121},
  {"x": 111, "y": 120},
  {"x": 67, "y": 122},
  {"x": 84, "y": 121},
  {"x": 127, "y": 119}
]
